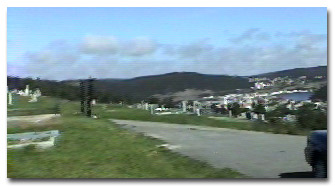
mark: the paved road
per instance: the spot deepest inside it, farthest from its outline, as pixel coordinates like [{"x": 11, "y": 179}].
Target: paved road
[{"x": 256, "y": 154}]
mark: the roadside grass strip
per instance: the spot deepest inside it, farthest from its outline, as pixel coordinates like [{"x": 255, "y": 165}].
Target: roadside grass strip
[{"x": 97, "y": 148}]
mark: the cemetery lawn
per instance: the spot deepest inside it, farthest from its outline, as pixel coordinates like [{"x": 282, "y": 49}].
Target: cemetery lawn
[
  {"x": 97, "y": 148},
  {"x": 124, "y": 113},
  {"x": 21, "y": 107}
]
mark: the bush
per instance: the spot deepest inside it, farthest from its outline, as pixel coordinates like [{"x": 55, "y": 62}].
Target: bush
[{"x": 310, "y": 118}]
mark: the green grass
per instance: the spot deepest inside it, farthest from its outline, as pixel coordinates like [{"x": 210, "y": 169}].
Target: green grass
[
  {"x": 21, "y": 106},
  {"x": 96, "y": 148}
]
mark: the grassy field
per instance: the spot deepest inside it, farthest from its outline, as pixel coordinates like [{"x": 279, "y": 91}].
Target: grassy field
[
  {"x": 44, "y": 105},
  {"x": 118, "y": 112},
  {"x": 96, "y": 148}
]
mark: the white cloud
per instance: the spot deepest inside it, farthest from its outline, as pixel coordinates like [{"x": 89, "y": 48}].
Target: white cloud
[
  {"x": 100, "y": 45},
  {"x": 110, "y": 45},
  {"x": 195, "y": 49},
  {"x": 107, "y": 56},
  {"x": 139, "y": 46}
]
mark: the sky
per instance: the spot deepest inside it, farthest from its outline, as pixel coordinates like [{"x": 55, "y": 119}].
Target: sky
[{"x": 73, "y": 43}]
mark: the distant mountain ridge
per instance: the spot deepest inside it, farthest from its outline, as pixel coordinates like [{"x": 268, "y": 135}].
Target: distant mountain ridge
[
  {"x": 146, "y": 86},
  {"x": 297, "y": 72},
  {"x": 140, "y": 88}
]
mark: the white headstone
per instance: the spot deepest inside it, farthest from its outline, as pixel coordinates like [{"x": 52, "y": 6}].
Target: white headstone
[
  {"x": 255, "y": 116},
  {"x": 10, "y": 98},
  {"x": 198, "y": 112},
  {"x": 151, "y": 109},
  {"x": 230, "y": 113},
  {"x": 196, "y": 105},
  {"x": 26, "y": 91},
  {"x": 38, "y": 92},
  {"x": 146, "y": 106},
  {"x": 184, "y": 105},
  {"x": 33, "y": 98},
  {"x": 262, "y": 117}
]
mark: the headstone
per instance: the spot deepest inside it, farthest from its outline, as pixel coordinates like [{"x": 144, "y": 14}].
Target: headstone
[
  {"x": 151, "y": 109},
  {"x": 230, "y": 113},
  {"x": 142, "y": 104},
  {"x": 38, "y": 92},
  {"x": 262, "y": 117},
  {"x": 139, "y": 106},
  {"x": 184, "y": 105},
  {"x": 146, "y": 106},
  {"x": 93, "y": 102},
  {"x": 10, "y": 98},
  {"x": 33, "y": 98},
  {"x": 26, "y": 91},
  {"x": 196, "y": 105},
  {"x": 198, "y": 111},
  {"x": 255, "y": 116}
]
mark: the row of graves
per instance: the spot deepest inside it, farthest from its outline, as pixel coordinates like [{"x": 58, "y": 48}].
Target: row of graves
[
  {"x": 195, "y": 107},
  {"x": 205, "y": 106},
  {"x": 42, "y": 140},
  {"x": 184, "y": 108},
  {"x": 26, "y": 92}
]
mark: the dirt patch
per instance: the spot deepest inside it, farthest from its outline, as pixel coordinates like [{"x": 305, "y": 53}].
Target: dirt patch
[{"x": 33, "y": 120}]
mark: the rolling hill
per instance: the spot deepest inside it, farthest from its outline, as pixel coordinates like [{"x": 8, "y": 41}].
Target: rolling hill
[
  {"x": 297, "y": 72},
  {"x": 140, "y": 88}
]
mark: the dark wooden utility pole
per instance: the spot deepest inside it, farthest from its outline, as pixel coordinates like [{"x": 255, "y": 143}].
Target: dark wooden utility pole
[
  {"x": 82, "y": 96},
  {"x": 90, "y": 92},
  {"x": 86, "y": 96}
]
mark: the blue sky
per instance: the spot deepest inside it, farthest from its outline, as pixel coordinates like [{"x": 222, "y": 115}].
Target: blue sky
[{"x": 70, "y": 43}]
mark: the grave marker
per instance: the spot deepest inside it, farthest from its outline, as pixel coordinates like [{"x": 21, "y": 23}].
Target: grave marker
[
  {"x": 26, "y": 91},
  {"x": 33, "y": 98},
  {"x": 230, "y": 113},
  {"x": 198, "y": 111},
  {"x": 184, "y": 104},
  {"x": 10, "y": 98}
]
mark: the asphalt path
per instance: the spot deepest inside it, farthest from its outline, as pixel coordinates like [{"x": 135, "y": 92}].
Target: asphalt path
[{"x": 255, "y": 154}]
